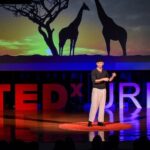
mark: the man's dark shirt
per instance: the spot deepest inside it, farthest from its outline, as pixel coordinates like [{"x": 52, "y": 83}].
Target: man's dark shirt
[{"x": 98, "y": 75}]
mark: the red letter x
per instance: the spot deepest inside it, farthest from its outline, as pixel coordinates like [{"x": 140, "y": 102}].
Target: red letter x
[{"x": 76, "y": 89}]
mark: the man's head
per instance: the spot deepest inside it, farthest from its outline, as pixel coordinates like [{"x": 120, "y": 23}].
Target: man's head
[{"x": 100, "y": 63}]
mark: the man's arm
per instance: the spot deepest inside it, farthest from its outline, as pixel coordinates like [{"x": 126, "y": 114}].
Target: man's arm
[
  {"x": 112, "y": 77},
  {"x": 94, "y": 80},
  {"x": 101, "y": 80}
]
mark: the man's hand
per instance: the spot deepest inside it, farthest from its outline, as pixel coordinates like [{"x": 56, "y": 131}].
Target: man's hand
[{"x": 114, "y": 74}]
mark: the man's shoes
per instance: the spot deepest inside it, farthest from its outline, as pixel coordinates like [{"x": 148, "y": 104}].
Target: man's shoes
[
  {"x": 89, "y": 124},
  {"x": 101, "y": 124}
]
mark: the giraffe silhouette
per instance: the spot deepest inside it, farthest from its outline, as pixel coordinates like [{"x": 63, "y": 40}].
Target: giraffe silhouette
[
  {"x": 111, "y": 31},
  {"x": 71, "y": 32}
]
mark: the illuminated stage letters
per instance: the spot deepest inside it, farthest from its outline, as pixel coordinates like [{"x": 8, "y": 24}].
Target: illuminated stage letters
[
  {"x": 131, "y": 96},
  {"x": 26, "y": 96}
]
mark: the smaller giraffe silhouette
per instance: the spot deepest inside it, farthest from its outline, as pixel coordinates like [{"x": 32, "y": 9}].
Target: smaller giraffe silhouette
[
  {"x": 111, "y": 31},
  {"x": 71, "y": 32}
]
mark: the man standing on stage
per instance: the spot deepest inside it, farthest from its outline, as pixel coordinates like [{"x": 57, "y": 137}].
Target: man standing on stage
[{"x": 99, "y": 79}]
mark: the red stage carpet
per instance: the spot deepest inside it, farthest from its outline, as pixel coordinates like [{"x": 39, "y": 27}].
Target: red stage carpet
[{"x": 82, "y": 126}]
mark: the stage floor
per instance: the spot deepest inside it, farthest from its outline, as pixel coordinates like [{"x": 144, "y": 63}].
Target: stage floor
[{"x": 45, "y": 127}]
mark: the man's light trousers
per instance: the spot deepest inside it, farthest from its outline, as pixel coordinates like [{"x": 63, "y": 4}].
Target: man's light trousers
[{"x": 98, "y": 101}]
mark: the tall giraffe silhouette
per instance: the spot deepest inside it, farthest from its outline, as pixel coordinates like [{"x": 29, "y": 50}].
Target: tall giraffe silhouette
[
  {"x": 71, "y": 32},
  {"x": 111, "y": 31}
]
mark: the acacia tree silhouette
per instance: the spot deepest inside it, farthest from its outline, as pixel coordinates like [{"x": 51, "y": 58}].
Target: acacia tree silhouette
[{"x": 43, "y": 13}]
